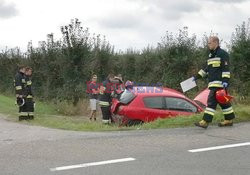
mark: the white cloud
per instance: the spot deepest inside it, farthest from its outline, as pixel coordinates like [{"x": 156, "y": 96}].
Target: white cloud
[
  {"x": 125, "y": 23},
  {"x": 7, "y": 10},
  {"x": 228, "y": 1}
]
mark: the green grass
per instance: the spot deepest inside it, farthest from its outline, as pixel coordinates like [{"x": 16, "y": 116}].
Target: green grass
[
  {"x": 242, "y": 113},
  {"x": 48, "y": 115},
  {"x": 7, "y": 106}
]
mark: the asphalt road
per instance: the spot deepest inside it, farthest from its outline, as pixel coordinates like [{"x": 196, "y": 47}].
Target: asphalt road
[{"x": 32, "y": 150}]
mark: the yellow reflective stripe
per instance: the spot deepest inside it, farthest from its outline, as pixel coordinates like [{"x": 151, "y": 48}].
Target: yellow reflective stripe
[
  {"x": 105, "y": 121},
  {"x": 31, "y": 113},
  {"x": 228, "y": 112},
  {"x": 213, "y": 62},
  {"x": 104, "y": 103},
  {"x": 215, "y": 84},
  {"x": 225, "y": 74},
  {"x": 202, "y": 73},
  {"x": 214, "y": 59},
  {"x": 209, "y": 112},
  {"x": 24, "y": 113},
  {"x": 23, "y": 81},
  {"x": 18, "y": 87},
  {"x": 210, "y": 109},
  {"x": 29, "y": 82},
  {"x": 227, "y": 109},
  {"x": 29, "y": 96}
]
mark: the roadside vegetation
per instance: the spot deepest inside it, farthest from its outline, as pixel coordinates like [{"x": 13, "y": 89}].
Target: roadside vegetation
[
  {"x": 242, "y": 113},
  {"x": 49, "y": 116},
  {"x": 63, "y": 66}
]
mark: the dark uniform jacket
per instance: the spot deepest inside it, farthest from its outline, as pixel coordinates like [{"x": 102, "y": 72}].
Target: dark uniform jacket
[
  {"x": 20, "y": 84},
  {"x": 105, "y": 93},
  {"x": 216, "y": 68},
  {"x": 28, "y": 91}
]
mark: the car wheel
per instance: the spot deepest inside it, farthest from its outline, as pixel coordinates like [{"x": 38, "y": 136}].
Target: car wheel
[
  {"x": 134, "y": 122},
  {"x": 117, "y": 119}
]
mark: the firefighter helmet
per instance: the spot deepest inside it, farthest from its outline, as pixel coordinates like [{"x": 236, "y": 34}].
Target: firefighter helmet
[{"x": 222, "y": 96}]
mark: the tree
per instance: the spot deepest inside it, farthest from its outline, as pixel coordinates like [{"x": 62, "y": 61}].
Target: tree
[{"x": 240, "y": 58}]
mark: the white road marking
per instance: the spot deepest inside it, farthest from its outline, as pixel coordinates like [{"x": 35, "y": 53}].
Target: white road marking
[
  {"x": 92, "y": 164},
  {"x": 218, "y": 147}
]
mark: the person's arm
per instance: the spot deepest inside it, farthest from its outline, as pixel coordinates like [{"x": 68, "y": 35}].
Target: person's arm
[
  {"x": 225, "y": 69},
  {"x": 29, "y": 86},
  {"x": 18, "y": 86},
  {"x": 202, "y": 73}
]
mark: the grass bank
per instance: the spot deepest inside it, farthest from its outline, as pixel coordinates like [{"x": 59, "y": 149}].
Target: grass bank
[
  {"x": 242, "y": 113},
  {"x": 49, "y": 115},
  {"x": 53, "y": 116}
]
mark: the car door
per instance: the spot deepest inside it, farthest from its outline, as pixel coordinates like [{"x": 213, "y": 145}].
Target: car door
[
  {"x": 179, "y": 106},
  {"x": 201, "y": 98},
  {"x": 154, "y": 108}
]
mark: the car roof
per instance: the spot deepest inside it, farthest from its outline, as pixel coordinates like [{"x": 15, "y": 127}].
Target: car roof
[{"x": 157, "y": 91}]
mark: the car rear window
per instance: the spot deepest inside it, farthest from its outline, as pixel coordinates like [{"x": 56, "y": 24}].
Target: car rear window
[
  {"x": 154, "y": 102},
  {"x": 179, "y": 104},
  {"x": 126, "y": 97}
]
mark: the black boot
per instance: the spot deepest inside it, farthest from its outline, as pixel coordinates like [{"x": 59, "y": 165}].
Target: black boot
[
  {"x": 30, "y": 117},
  {"x": 21, "y": 118}
]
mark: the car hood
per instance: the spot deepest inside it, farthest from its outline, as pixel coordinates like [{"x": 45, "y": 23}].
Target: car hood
[{"x": 202, "y": 97}]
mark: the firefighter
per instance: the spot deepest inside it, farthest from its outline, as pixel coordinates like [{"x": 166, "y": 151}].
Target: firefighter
[
  {"x": 20, "y": 88},
  {"x": 217, "y": 72},
  {"x": 105, "y": 99},
  {"x": 118, "y": 86},
  {"x": 29, "y": 95}
]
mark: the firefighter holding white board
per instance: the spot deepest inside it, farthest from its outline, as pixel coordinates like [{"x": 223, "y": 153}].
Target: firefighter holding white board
[{"x": 217, "y": 71}]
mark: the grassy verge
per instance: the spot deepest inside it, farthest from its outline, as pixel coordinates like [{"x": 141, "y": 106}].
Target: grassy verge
[
  {"x": 242, "y": 113},
  {"x": 48, "y": 115},
  {"x": 8, "y": 107}
]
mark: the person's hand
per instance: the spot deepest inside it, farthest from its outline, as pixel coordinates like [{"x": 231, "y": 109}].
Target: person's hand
[
  {"x": 193, "y": 78},
  {"x": 225, "y": 84}
]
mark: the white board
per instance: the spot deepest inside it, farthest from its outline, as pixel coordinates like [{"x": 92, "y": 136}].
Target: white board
[{"x": 188, "y": 84}]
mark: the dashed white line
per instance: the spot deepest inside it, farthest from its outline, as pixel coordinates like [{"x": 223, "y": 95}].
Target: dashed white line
[
  {"x": 219, "y": 147},
  {"x": 92, "y": 164}
]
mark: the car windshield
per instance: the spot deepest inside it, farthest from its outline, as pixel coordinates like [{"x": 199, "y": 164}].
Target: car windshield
[{"x": 126, "y": 97}]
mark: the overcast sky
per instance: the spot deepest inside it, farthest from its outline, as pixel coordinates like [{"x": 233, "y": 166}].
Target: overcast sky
[{"x": 125, "y": 23}]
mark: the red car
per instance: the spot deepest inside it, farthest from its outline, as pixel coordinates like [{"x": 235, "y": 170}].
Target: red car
[{"x": 145, "y": 104}]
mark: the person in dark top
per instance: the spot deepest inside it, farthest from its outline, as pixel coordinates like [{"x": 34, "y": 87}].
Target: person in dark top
[
  {"x": 29, "y": 94},
  {"x": 106, "y": 90},
  {"x": 216, "y": 70},
  {"x": 20, "y": 89},
  {"x": 118, "y": 85}
]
